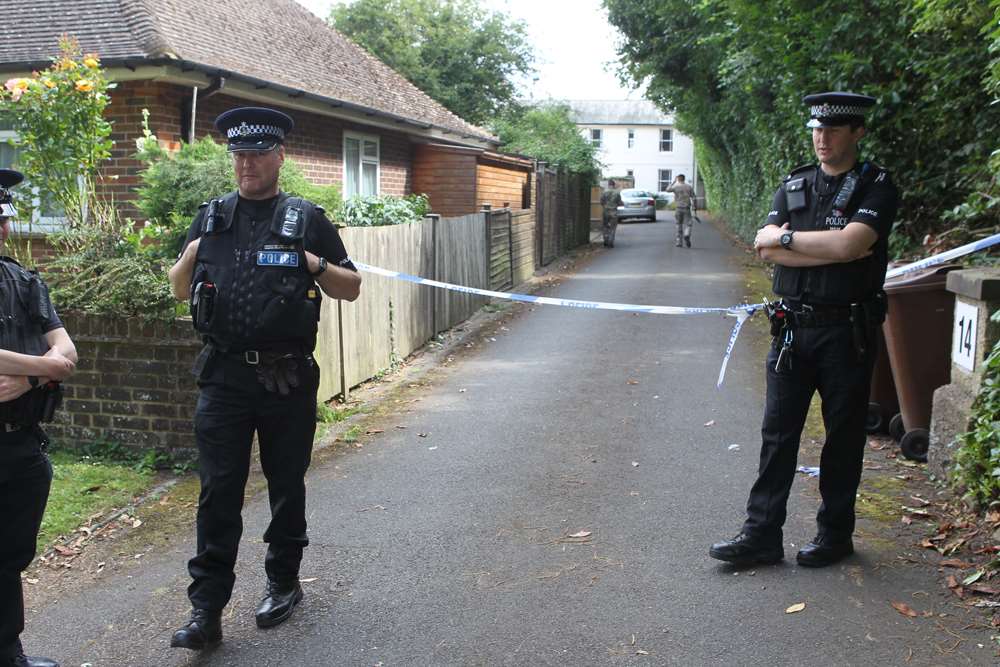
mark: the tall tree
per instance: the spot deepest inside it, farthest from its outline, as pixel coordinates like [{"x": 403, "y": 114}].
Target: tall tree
[
  {"x": 463, "y": 56},
  {"x": 547, "y": 132}
]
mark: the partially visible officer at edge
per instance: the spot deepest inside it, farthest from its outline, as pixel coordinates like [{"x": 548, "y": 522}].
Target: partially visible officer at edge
[
  {"x": 250, "y": 268},
  {"x": 35, "y": 354},
  {"x": 827, "y": 234}
]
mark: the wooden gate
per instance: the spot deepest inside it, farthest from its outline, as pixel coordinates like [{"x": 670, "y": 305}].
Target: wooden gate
[{"x": 547, "y": 233}]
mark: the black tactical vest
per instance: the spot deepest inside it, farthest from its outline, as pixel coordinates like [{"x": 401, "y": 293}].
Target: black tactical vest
[
  {"x": 251, "y": 287},
  {"x": 841, "y": 283},
  {"x": 26, "y": 309}
]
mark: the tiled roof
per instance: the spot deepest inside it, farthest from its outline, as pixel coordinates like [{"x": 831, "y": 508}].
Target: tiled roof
[
  {"x": 276, "y": 41},
  {"x": 617, "y": 112}
]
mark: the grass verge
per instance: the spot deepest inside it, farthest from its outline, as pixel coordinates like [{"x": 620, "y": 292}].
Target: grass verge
[{"x": 83, "y": 487}]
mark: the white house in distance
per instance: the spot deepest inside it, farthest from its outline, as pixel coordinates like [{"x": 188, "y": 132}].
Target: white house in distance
[{"x": 636, "y": 140}]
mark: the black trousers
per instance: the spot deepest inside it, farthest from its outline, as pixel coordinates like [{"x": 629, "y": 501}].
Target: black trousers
[
  {"x": 25, "y": 478},
  {"x": 232, "y": 406},
  {"x": 824, "y": 360}
]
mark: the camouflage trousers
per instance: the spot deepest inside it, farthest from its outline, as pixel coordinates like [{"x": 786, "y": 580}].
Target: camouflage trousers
[{"x": 684, "y": 220}]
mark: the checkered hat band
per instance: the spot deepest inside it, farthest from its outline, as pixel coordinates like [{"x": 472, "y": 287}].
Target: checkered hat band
[
  {"x": 827, "y": 110},
  {"x": 252, "y": 130}
]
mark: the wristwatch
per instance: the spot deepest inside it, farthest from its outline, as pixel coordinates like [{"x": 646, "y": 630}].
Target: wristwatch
[
  {"x": 786, "y": 239},
  {"x": 322, "y": 267}
]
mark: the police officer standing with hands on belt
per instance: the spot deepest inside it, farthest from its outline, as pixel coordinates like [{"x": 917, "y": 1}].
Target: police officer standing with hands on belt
[
  {"x": 35, "y": 354},
  {"x": 250, "y": 268},
  {"x": 827, "y": 234}
]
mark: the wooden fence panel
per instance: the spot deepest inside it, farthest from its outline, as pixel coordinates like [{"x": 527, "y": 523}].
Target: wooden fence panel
[
  {"x": 501, "y": 269},
  {"x": 462, "y": 260},
  {"x": 389, "y": 320},
  {"x": 522, "y": 231}
]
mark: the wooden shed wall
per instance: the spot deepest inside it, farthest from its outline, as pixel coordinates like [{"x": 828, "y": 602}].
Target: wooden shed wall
[
  {"x": 448, "y": 178},
  {"x": 501, "y": 186}
]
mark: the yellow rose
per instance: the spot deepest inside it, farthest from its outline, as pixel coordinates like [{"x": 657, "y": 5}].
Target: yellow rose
[
  {"x": 16, "y": 87},
  {"x": 66, "y": 63},
  {"x": 49, "y": 83},
  {"x": 85, "y": 85},
  {"x": 91, "y": 61}
]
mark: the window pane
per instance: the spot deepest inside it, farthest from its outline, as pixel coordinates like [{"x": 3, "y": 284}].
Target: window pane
[
  {"x": 352, "y": 163},
  {"x": 369, "y": 178},
  {"x": 371, "y": 149},
  {"x": 666, "y": 140},
  {"x": 7, "y": 155},
  {"x": 666, "y": 176}
]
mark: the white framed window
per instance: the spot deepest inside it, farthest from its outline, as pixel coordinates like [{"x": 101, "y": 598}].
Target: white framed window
[
  {"x": 630, "y": 172},
  {"x": 361, "y": 165},
  {"x": 596, "y": 137},
  {"x": 666, "y": 178},
  {"x": 666, "y": 141},
  {"x": 46, "y": 216},
  {"x": 631, "y": 138}
]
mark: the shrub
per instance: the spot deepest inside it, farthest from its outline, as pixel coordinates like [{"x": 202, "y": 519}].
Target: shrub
[{"x": 384, "y": 210}]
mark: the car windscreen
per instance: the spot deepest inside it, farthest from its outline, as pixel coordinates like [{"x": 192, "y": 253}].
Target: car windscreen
[{"x": 635, "y": 193}]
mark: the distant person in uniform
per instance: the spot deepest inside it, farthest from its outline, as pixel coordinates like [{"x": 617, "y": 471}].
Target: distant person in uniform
[
  {"x": 35, "y": 354},
  {"x": 828, "y": 236},
  {"x": 684, "y": 207},
  {"x": 611, "y": 199},
  {"x": 252, "y": 267}
]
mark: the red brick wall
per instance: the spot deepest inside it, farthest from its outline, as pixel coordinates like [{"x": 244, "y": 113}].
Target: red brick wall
[{"x": 316, "y": 144}]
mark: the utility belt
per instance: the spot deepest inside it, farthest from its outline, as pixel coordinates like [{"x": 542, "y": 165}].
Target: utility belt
[
  {"x": 279, "y": 369},
  {"x": 37, "y": 406},
  {"x": 787, "y": 315}
]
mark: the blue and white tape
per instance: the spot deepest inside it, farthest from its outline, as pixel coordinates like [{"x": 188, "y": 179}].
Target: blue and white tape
[{"x": 741, "y": 312}]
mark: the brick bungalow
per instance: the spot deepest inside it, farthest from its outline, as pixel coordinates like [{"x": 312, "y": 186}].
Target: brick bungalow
[{"x": 359, "y": 123}]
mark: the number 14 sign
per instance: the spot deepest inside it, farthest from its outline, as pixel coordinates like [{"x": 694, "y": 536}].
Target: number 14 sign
[{"x": 963, "y": 339}]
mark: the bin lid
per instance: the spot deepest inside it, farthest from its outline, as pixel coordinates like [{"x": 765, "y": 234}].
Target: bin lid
[{"x": 934, "y": 277}]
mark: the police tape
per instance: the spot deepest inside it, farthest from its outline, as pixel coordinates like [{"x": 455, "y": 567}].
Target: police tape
[{"x": 742, "y": 312}]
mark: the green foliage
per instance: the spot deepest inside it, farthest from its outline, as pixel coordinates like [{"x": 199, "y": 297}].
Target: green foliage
[
  {"x": 106, "y": 268},
  {"x": 734, "y": 72},
  {"x": 62, "y": 134},
  {"x": 465, "y": 57},
  {"x": 325, "y": 414},
  {"x": 977, "y": 461},
  {"x": 547, "y": 132},
  {"x": 384, "y": 210},
  {"x": 174, "y": 184}
]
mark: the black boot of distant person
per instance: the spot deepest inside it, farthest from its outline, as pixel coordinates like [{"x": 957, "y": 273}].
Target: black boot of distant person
[
  {"x": 823, "y": 551},
  {"x": 201, "y": 631},
  {"x": 687, "y": 241},
  {"x": 19, "y": 659},
  {"x": 279, "y": 602}
]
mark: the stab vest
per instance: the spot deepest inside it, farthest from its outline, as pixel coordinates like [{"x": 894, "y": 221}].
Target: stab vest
[
  {"x": 840, "y": 283},
  {"x": 260, "y": 295},
  {"x": 26, "y": 309}
]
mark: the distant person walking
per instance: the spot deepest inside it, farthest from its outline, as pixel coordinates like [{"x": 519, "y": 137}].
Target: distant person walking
[
  {"x": 684, "y": 207},
  {"x": 611, "y": 199}
]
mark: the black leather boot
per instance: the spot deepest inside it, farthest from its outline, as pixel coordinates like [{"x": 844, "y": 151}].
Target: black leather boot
[
  {"x": 823, "y": 551},
  {"x": 278, "y": 603},
  {"x": 746, "y": 550},
  {"x": 202, "y": 630}
]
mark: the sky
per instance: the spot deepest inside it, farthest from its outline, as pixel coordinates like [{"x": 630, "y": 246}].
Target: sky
[{"x": 574, "y": 46}]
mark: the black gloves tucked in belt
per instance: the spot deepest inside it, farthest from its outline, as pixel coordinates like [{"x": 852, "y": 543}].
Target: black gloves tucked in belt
[{"x": 278, "y": 373}]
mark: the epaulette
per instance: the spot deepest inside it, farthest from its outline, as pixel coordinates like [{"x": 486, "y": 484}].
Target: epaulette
[
  {"x": 320, "y": 209},
  {"x": 799, "y": 170},
  {"x": 203, "y": 204}
]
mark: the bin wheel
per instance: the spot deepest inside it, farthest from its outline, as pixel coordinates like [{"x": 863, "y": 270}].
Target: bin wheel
[
  {"x": 896, "y": 428},
  {"x": 915, "y": 444},
  {"x": 873, "y": 424}
]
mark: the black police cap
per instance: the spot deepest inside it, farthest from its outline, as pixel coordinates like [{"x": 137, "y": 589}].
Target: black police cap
[
  {"x": 8, "y": 179},
  {"x": 254, "y": 128},
  {"x": 834, "y": 109}
]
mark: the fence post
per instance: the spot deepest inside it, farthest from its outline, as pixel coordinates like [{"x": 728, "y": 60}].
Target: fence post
[
  {"x": 344, "y": 392},
  {"x": 434, "y": 218}
]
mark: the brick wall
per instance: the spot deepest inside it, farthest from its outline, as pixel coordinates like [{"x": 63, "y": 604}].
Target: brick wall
[{"x": 133, "y": 384}]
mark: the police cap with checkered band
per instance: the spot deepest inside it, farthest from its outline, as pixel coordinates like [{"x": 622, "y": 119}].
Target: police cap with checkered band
[
  {"x": 8, "y": 179},
  {"x": 835, "y": 109},
  {"x": 253, "y": 128}
]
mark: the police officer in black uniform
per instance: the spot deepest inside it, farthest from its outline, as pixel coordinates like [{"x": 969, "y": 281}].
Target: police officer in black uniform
[
  {"x": 250, "y": 268},
  {"x": 827, "y": 234},
  {"x": 35, "y": 354}
]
